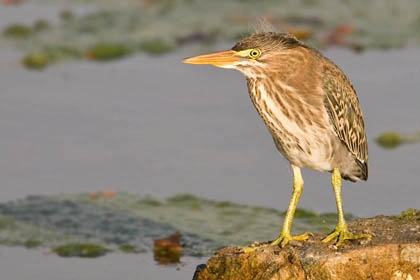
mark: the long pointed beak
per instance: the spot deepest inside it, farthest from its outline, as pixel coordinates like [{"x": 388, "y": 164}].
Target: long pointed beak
[{"x": 219, "y": 59}]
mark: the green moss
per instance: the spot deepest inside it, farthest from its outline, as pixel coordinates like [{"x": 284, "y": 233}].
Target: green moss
[
  {"x": 18, "y": 31},
  {"x": 389, "y": 140},
  {"x": 106, "y": 52},
  {"x": 182, "y": 198},
  {"x": 224, "y": 204},
  {"x": 37, "y": 60},
  {"x": 325, "y": 230},
  {"x": 329, "y": 215},
  {"x": 410, "y": 214},
  {"x": 32, "y": 243},
  {"x": 230, "y": 213},
  {"x": 187, "y": 201},
  {"x": 148, "y": 201},
  {"x": 5, "y": 222},
  {"x": 60, "y": 52},
  {"x": 155, "y": 46},
  {"x": 81, "y": 250},
  {"x": 128, "y": 248},
  {"x": 302, "y": 213}
]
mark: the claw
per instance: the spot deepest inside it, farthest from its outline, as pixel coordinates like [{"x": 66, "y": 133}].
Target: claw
[
  {"x": 282, "y": 241},
  {"x": 285, "y": 238},
  {"x": 247, "y": 250},
  {"x": 343, "y": 234}
]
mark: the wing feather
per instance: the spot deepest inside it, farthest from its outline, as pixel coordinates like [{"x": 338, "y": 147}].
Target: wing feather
[{"x": 343, "y": 108}]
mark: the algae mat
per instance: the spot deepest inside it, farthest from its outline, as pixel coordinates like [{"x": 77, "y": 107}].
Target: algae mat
[{"x": 125, "y": 220}]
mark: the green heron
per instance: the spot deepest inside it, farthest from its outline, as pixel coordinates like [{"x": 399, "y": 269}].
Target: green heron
[{"x": 311, "y": 110}]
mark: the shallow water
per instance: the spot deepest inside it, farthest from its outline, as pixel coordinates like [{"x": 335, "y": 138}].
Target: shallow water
[
  {"x": 138, "y": 125},
  {"x": 42, "y": 265}
]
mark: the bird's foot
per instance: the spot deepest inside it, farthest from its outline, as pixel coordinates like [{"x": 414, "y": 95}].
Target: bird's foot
[
  {"x": 342, "y": 233},
  {"x": 282, "y": 241},
  {"x": 254, "y": 248},
  {"x": 285, "y": 238}
]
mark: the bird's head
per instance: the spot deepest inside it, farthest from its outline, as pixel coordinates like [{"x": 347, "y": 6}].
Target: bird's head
[{"x": 252, "y": 54}]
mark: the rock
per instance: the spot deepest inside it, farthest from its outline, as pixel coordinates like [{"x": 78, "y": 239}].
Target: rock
[{"x": 392, "y": 253}]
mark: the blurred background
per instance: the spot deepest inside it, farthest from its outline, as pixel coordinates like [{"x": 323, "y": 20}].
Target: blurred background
[{"x": 108, "y": 140}]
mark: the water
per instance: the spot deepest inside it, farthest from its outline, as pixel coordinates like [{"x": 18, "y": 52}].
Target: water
[
  {"x": 153, "y": 125},
  {"x": 42, "y": 265}
]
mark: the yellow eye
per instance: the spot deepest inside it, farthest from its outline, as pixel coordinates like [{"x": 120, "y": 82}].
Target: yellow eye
[{"x": 255, "y": 53}]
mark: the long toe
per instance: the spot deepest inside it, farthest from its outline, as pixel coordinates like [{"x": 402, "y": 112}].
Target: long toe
[
  {"x": 285, "y": 238},
  {"x": 342, "y": 235},
  {"x": 253, "y": 248}
]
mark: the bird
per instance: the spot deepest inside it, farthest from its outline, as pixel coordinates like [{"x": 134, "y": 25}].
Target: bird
[{"x": 310, "y": 109}]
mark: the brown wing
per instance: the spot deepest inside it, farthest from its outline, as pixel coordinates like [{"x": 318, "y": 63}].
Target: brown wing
[{"x": 345, "y": 114}]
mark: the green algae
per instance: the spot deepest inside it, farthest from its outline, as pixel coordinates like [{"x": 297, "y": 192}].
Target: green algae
[
  {"x": 31, "y": 243},
  {"x": 224, "y": 222},
  {"x": 17, "y": 31},
  {"x": 17, "y": 233},
  {"x": 90, "y": 224},
  {"x": 149, "y": 201},
  {"x": 302, "y": 213},
  {"x": 130, "y": 223},
  {"x": 224, "y": 204},
  {"x": 37, "y": 60},
  {"x": 128, "y": 248},
  {"x": 185, "y": 200},
  {"x": 156, "y": 46},
  {"x": 82, "y": 250},
  {"x": 391, "y": 140},
  {"x": 107, "y": 52},
  {"x": 20, "y": 31}
]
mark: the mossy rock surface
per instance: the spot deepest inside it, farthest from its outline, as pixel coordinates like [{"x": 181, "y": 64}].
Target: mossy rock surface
[{"x": 393, "y": 253}]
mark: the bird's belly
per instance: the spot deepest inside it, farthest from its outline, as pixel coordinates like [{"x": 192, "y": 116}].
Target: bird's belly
[
  {"x": 302, "y": 142},
  {"x": 314, "y": 156}
]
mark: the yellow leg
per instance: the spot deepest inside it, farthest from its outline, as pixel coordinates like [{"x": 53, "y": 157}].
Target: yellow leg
[
  {"x": 341, "y": 231},
  {"x": 285, "y": 236}
]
